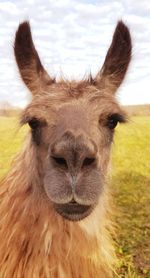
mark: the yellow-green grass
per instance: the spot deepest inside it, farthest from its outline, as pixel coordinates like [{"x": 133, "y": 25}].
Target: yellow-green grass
[
  {"x": 130, "y": 185},
  {"x": 11, "y": 137}
]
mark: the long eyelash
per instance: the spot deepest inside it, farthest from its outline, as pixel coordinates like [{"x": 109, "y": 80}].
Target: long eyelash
[
  {"x": 27, "y": 119},
  {"x": 118, "y": 117},
  {"x": 114, "y": 119}
]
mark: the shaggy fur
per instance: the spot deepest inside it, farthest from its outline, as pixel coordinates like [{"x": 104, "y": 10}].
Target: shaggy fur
[{"x": 35, "y": 241}]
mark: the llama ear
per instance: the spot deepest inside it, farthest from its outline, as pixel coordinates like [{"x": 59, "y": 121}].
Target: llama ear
[
  {"x": 117, "y": 60},
  {"x": 32, "y": 72}
]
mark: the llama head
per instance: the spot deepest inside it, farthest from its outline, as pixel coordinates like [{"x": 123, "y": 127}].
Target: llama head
[{"x": 72, "y": 124}]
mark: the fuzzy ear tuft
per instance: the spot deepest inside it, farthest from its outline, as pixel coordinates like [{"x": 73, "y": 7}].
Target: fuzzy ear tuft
[
  {"x": 32, "y": 72},
  {"x": 117, "y": 60}
]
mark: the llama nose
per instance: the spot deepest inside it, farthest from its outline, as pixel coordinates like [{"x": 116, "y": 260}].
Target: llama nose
[
  {"x": 73, "y": 157},
  {"x": 67, "y": 163}
]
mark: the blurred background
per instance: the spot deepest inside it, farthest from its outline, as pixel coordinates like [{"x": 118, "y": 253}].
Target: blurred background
[{"x": 72, "y": 38}]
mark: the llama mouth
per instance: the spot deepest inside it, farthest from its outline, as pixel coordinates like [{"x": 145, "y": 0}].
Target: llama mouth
[{"x": 73, "y": 211}]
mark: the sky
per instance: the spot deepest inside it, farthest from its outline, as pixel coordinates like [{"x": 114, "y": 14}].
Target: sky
[{"x": 72, "y": 38}]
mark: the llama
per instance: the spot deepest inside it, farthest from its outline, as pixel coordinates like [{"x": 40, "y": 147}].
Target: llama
[{"x": 55, "y": 202}]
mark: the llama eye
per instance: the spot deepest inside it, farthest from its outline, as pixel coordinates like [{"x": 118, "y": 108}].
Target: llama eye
[
  {"x": 113, "y": 120},
  {"x": 34, "y": 123},
  {"x": 88, "y": 161},
  {"x": 60, "y": 161}
]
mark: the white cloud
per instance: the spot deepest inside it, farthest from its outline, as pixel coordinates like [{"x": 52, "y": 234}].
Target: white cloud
[
  {"x": 8, "y": 7},
  {"x": 73, "y": 37}
]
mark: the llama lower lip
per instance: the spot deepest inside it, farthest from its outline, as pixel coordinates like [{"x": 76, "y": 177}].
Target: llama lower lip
[{"x": 73, "y": 211}]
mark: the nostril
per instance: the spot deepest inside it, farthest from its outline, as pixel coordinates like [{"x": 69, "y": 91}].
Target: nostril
[
  {"x": 72, "y": 202},
  {"x": 88, "y": 161},
  {"x": 60, "y": 161}
]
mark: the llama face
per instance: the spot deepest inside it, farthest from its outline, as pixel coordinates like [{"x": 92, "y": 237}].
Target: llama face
[
  {"x": 72, "y": 180},
  {"x": 77, "y": 160},
  {"x": 72, "y": 124},
  {"x": 73, "y": 140}
]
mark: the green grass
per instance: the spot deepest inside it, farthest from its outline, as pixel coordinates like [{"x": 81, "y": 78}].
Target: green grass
[
  {"x": 11, "y": 137},
  {"x": 130, "y": 184}
]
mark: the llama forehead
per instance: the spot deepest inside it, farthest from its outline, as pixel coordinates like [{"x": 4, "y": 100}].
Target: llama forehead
[
  {"x": 71, "y": 103},
  {"x": 73, "y": 116},
  {"x": 58, "y": 95},
  {"x": 87, "y": 108},
  {"x": 71, "y": 110}
]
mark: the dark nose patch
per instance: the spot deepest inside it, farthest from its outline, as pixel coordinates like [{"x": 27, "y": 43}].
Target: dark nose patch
[{"x": 76, "y": 150}]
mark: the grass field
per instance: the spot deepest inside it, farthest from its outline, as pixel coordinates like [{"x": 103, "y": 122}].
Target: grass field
[{"x": 130, "y": 185}]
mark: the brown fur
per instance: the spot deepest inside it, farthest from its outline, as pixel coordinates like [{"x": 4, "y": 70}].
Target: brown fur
[{"x": 35, "y": 240}]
